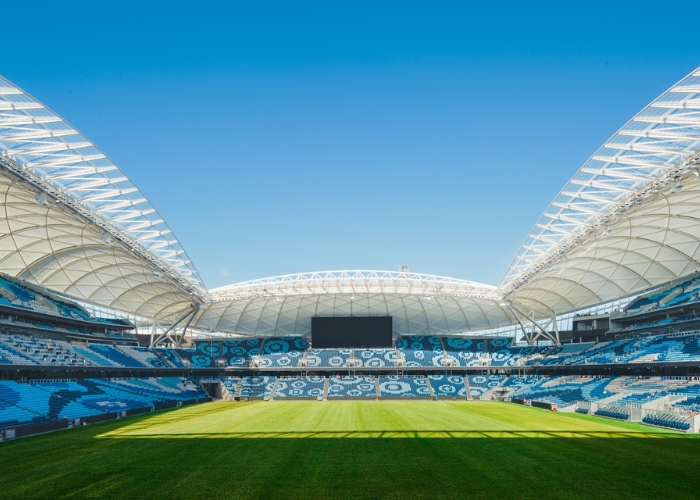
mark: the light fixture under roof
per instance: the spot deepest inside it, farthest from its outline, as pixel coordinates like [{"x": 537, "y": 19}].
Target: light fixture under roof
[
  {"x": 41, "y": 199},
  {"x": 676, "y": 188},
  {"x": 606, "y": 232}
]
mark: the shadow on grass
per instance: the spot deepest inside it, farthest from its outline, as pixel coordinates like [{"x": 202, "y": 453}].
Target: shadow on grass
[{"x": 134, "y": 433}]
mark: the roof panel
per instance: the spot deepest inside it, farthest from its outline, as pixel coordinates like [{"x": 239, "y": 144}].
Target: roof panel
[
  {"x": 37, "y": 144},
  {"x": 659, "y": 139}
]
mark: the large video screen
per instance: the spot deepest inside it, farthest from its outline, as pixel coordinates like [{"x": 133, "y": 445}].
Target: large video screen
[{"x": 338, "y": 333}]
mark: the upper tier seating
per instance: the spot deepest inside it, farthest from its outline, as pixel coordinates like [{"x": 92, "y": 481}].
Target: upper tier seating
[
  {"x": 45, "y": 352},
  {"x": 283, "y": 352},
  {"x": 375, "y": 357},
  {"x": 116, "y": 356},
  {"x": 300, "y": 387},
  {"x": 686, "y": 292},
  {"x": 394, "y": 386},
  {"x": 20, "y": 295},
  {"x": 353, "y": 387},
  {"x": 419, "y": 350},
  {"x": 327, "y": 357},
  {"x": 171, "y": 355},
  {"x": 144, "y": 356},
  {"x": 475, "y": 352},
  {"x": 239, "y": 352}
]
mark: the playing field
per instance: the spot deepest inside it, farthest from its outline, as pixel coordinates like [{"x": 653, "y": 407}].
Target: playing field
[{"x": 354, "y": 449}]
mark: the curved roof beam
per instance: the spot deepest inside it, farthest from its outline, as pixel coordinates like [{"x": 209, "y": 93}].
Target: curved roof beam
[
  {"x": 41, "y": 148},
  {"x": 353, "y": 282},
  {"x": 655, "y": 147}
]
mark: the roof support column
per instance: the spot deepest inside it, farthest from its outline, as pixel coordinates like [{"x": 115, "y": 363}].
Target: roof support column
[
  {"x": 535, "y": 326},
  {"x": 166, "y": 333}
]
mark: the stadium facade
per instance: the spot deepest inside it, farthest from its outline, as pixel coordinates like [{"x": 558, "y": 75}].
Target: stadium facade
[{"x": 79, "y": 242}]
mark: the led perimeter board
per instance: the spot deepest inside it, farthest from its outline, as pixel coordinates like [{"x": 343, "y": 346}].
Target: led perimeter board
[{"x": 329, "y": 333}]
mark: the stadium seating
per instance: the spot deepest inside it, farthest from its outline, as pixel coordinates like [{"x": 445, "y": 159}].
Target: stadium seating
[
  {"x": 8, "y": 355},
  {"x": 686, "y": 292},
  {"x": 300, "y": 387},
  {"x": 327, "y": 357},
  {"x": 667, "y": 419},
  {"x": 191, "y": 358},
  {"x": 283, "y": 352},
  {"x": 46, "y": 352},
  {"x": 614, "y": 411},
  {"x": 231, "y": 384},
  {"x": 116, "y": 356},
  {"x": 352, "y": 387},
  {"x": 480, "y": 384},
  {"x": 689, "y": 404},
  {"x": 257, "y": 387},
  {"x": 170, "y": 355},
  {"x": 22, "y": 295},
  {"x": 564, "y": 390},
  {"x": 447, "y": 385},
  {"x": 418, "y": 350},
  {"x": 375, "y": 357},
  {"x": 38, "y": 402},
  {"x": 144, "y": 356},
  {"x": 394, "y": 386},
  {"x": 238, "y": 352},
  {"x": 475, "y": 352}
]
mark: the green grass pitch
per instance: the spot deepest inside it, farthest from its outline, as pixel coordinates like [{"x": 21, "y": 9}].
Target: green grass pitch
[{"x": 354, "y": 449}]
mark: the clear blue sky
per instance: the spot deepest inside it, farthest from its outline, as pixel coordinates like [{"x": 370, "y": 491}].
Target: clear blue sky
[{"x": 286, "y": 137}]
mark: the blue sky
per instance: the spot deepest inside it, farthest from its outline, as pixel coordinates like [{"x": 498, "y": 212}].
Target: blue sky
[{"x": 286, "y": 137}]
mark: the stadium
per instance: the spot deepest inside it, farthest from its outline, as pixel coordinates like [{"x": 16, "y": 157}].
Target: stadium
[{"x": 350, "y": 383}]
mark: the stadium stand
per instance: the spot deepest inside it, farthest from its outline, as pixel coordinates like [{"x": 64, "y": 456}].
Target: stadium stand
[
  {"x": 169, "y": 355},
  {"x": 614, "y": 411},
  {"x": 257, "y": 387},
  {"x": 683, "y": 293},
  {"x": 351, "y": 387},
  {"x": 116, "y": 356},
  {"x": 447, "y": 385},
  {"x": 419, "y": 350},
  {"x": 667, "y": 419},
  {"x": 481, "y": 384},
  {"x": 300, "y": 387},
  {"x": 231, "y": 384},
  {"x": 327, "y": 357},
  {"x": 283, "y": 352},
  {"x": 375, "y": 357},
  {"x": 564, "y": 390},
  {"x": 46, "y": 401},
  {"x": 144, "y": 356},
  {"x": 395, "y": 386}
]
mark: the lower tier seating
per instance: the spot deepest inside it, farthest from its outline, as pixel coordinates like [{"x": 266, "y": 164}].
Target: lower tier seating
[
  {"x": 481, "y": 384},
  {"x": 351, "y": 387},
  {"x": 300, "y": 387},
  {"x": 395, "y": 386},
  {"x": 45, "y": 401},
  {"x": 257, "y": 387},
  {"x": 448, "y": 385}
]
